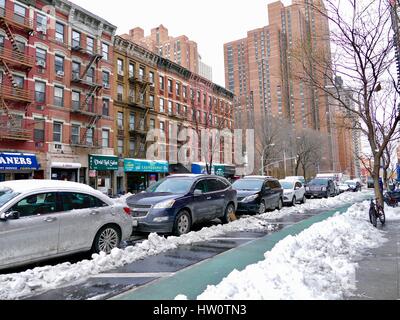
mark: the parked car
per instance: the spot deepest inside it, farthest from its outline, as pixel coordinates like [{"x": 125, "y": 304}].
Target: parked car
[
  {"x": 392, "y": 198},
  {"x": 343, "y": 187},
  {"x": 256, "y": 194},
  {"x": 42, "y": 219},
  {"x": 320, "y": 188},
  {"x": 175, "y": 203},
  {"x": 370, "y": 182},
  {"x": 293, "y": 192},
  {"x": 354, "y": 186},
  {"x": 297, "y": 178}
]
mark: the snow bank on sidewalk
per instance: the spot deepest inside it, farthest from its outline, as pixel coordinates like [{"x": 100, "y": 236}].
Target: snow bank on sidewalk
[
  {"x": 319, "y": 263},
  {"x": 38, "y": 280}
]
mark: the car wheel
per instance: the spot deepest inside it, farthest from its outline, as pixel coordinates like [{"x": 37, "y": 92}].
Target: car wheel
[
  {"x": 294, "y": 201},
  {"x": 106, "y": 239},
  {"x": 262, "y": 208},
  {"x": 230, "y": 214},
  {"x": 183, "y": 223},
  {"x": 280, "y": 204}
]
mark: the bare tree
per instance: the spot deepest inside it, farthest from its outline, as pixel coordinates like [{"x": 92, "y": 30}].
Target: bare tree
[
  {"x": 309, "y": 149},
  {"x": 363, "y": 56}
]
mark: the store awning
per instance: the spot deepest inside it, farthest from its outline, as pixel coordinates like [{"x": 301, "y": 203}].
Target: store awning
[{"x": 18, "y": 161}]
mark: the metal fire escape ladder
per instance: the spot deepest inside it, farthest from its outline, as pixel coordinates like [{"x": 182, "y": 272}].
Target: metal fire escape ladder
[
  {"x": 10, "y": 35},
  {"x": 94, "y": 60},
  {"x": 92, "y": 124}
]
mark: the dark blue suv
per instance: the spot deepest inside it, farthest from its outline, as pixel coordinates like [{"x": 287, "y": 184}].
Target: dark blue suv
[
  {"x": 174, "y": 204},
  {"x": 256, "y": 194}
]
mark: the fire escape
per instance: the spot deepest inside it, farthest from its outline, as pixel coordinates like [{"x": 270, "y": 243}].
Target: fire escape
[
  {"x": 142, "y": 83},
  {"x": 88, "y": 107},
  {"x": 12, "y": 96}
]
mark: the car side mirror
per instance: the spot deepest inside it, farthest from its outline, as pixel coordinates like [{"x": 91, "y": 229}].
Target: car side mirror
[
  {"x": 14, "y": 215},
  {"x": 197, "y": 192}
]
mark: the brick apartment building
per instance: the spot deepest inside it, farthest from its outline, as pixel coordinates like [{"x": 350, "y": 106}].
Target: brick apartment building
[
  {"x": 56, "y": 73},
  {"x": 180, "y": 50},
  {"x": 153, "y": 92},
  {"x": 260, "y": 69}
]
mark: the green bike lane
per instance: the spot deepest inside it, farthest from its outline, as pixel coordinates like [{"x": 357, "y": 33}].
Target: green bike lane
[{"x": 193, "y": 280}]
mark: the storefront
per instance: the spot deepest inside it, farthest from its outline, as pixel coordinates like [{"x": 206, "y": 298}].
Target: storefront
[
  {"x": 102, "y": 174},
  {"x": 140, "y": 174},
  {"x": 17, "y": 166},
  {"x": 66, "y": 171}
]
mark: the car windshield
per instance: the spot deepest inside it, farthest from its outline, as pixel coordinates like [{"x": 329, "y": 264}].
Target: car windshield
[
  {"x": 248, "y": 184},
  {"x": 351, "y": 183},
  {"x": 319, "y": 182},
  {"x": 172, "y": 185},
  {"x": 286, "y": 184},
  {"x": 6, "y": 195}
]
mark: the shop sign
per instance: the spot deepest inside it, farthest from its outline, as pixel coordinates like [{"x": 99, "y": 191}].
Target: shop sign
[
  {"x": 103, "y": 163},
  {"x": 15, "y": 161},
  {"x": 132, "y": 165}
]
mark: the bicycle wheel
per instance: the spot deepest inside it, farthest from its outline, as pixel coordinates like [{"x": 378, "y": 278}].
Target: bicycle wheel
[
  {"x": 372, "y": 217},
  {"x": 382, "y": 217}
]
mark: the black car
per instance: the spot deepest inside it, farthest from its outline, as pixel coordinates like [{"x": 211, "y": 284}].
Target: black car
[
  {"x": 256, "y": 194},
  {"x": 174, "y": 204},
  {"x": 320, "y": 188}
]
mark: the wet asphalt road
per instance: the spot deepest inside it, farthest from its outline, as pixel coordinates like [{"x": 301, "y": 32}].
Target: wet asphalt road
[{"x": 142, "y": 272}]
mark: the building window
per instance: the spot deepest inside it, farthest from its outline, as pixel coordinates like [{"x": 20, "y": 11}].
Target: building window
[
  {"x": 76, "y": 39},
  {"x": 120, "y": 120},
  {"x": 162, "y": 108},
  {"x": 170, "y": 86},
  {"x": 90, "y": 75},
  {"x": 151, "y": 77},
  {"x": 141, "y": 73},
  {"x": 41, "y": 23},
  {"x": 76, "y": 100},
  {"x": 106, "y": 107},
  {"x": 120, "y": 67},
  {"x": 198, "y": 97},
  {"x": 57, "y": 132},
  {"x": 106, "y": 79},
  {"x": 152, "y": 124},
  {"x": 76, "y": 70},
  {"x": 38, "y": 132},
  {"x": 178, "y": 89},
  {"x": 59, "y": 65},
  {"x": 75, "y": 134},
  {"x": 131, "y": 148},
  {"x": 162, "y": 126},
  {"x": 151, "y": 101},
  {"x": 2, "y": 38},
  {"x": 89, "y": 136},
  {"x": 120, "y": 92},
  {"x": 40, "y": 91},
  {"x": 105, "y": 50},
  {"x": 120, "y": 146},
  {"x": 184, "y": 91},
  {"x": 131, "y": 121},
  {"x": 19, "y": 13},
  {"x": 161, "y": 83},
  {"x": 170, "y": 107},
  {"x": 59, "y": 96},
  {"x": 41, "y": 57},
  {"x": 105, "y": 138},
  {"x": 178, "y": 108},
  {"x": 90, "y": 44},
  {"x": 59, "y": 32},
  {"x": 131, "y": 70}
]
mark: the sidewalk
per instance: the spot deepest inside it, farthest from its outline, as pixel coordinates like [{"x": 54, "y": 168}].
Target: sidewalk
[{"x": 378, "y": 275}]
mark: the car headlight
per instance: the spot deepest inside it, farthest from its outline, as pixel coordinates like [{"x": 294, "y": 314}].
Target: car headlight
[
  {"x": 250, "y": 198},
  {"x": 165, "y": 204},
  {"x": 323, "y": 189},
  {"x": 161, "y": 219},
  {"x": 307, "y": 189}
]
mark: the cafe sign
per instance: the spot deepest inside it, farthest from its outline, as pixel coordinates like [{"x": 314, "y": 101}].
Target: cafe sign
[{"x": 103, "y": 163}]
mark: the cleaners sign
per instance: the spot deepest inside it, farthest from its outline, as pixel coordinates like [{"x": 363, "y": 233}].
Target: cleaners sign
[{"x": 12, "y": 161}]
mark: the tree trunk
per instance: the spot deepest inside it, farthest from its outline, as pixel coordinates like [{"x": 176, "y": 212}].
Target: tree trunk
[
  {"x": 378, "y": 193},
  {"x": 304, "y": 170},
  {"x": 385, "y": 178}
]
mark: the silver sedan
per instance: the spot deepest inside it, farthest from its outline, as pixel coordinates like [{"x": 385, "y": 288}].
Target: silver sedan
[{"x": 42, "y": 219}]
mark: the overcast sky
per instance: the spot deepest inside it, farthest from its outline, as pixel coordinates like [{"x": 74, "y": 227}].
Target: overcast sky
[{"x": 210, "y": 23}]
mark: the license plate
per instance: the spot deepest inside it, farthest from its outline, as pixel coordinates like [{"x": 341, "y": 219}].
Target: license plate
[{"x": 135, "y": 223}]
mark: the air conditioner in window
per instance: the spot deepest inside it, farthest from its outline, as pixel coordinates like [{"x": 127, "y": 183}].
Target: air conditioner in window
[
  {"x": 106, "y": 86},
  {"x": 41, "y": 63},
  {"x": 58, "y": 147},
  {"x": 40, "y": 108},
  {"x": 120, "y": 72},
  {"x": 60, "y": 73}
]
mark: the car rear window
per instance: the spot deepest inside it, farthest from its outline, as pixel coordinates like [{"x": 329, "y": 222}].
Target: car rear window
[{"x": 6, "y": 194}]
